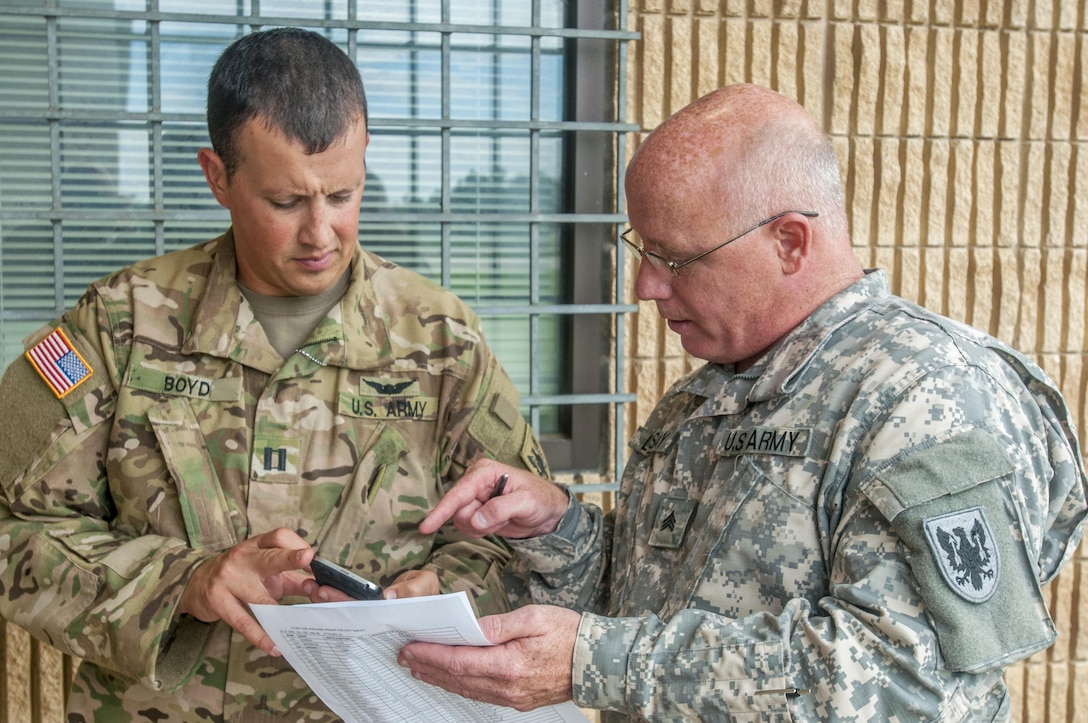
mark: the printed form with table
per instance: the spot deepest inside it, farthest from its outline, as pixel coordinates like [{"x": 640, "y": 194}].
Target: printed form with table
[{"x": 347, "y": 653}]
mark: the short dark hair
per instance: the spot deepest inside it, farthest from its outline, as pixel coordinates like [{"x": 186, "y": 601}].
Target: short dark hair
[{"x": 296, "y": 80}]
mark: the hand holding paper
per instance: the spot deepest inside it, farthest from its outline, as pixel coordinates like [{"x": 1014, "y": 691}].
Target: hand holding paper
[
  {"x": 528, "y": 667},
  {"x": 347, "y": 653}
]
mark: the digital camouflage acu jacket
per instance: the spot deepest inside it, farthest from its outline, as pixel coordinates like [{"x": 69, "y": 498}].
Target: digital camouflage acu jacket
[
  {"x": 854, "y": 529},
  {"x": 179, "y": 432}
]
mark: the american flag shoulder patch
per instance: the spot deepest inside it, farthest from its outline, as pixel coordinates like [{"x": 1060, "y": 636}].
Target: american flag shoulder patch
[{"x": 58, "y": 363}]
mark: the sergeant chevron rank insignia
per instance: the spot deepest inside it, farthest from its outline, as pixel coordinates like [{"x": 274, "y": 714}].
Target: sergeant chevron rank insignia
[
  {"x": 673, "y": 518},
  {"x": 966, "y": 554}
]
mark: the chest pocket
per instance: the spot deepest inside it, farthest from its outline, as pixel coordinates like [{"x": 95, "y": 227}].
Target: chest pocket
[
  {"x": 762, "y": 545},
  {"x": 308, "y": 487},
  {"x": 200, "y": 494},
  {"x": 371, "y": 508}
]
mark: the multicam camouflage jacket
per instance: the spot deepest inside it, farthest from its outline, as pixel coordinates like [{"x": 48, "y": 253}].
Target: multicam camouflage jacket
[
  {"x": 854, "y": 529},
  {"x": 175, "y": 431}
]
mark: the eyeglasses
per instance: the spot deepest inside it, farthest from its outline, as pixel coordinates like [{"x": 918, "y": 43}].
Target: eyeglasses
[{"x": 660, "y": 262}]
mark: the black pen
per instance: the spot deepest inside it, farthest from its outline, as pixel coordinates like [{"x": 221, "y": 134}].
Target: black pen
[{"x": 500, "y": 485}]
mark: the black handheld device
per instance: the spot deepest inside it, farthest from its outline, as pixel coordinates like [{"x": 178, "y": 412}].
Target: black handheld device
[{"x": 344, "y": 580}]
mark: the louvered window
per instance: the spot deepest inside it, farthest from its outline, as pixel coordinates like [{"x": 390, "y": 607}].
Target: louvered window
[{"x": 492, "y": 165}]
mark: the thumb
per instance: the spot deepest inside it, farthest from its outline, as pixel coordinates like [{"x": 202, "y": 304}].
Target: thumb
[
  {"x": 499, "y": 628},
  {"x": 481, "y": 521},
  {"x": 507, "y": 513},
  {"x": 525, "y": 622}
]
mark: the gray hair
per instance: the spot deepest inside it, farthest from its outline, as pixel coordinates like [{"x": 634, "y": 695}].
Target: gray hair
[{"x": 787, "y": 165}]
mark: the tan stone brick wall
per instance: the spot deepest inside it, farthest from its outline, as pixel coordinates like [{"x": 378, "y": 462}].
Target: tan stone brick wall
[
  {"x": 33, "y": 678},
  {"x": 960, "y": 128}
]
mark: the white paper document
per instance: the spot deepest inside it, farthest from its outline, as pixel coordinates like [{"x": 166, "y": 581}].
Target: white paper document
[{"x": 347, "y": 653}]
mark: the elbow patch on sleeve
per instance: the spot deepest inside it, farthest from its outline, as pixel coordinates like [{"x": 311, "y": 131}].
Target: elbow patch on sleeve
[
  {"x": 965, "y": 546},
  {"x": 32, "y": 411}
]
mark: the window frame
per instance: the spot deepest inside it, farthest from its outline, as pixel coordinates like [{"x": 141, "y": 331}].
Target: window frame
[{"x": 591, "y": 400}]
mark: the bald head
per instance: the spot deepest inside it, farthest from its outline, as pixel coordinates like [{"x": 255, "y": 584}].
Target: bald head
[
  {"x": 731, "y": 160},
  {"x": 748, "y": 151}
]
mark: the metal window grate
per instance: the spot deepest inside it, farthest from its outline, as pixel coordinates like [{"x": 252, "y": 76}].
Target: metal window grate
[{"x": 101, "y": 112}]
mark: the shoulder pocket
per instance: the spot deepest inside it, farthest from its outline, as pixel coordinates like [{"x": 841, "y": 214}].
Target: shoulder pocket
[
  {"x": 59, "y": 586},
  {"x": 951, "y": 507},
  {"x": 502, "y": 433},
  {"x": 34, "y": 417}
]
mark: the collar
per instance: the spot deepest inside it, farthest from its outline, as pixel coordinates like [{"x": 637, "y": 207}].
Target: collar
[
  {"x": 778, "y": 371},
  {"x": 353, "y": 335}
]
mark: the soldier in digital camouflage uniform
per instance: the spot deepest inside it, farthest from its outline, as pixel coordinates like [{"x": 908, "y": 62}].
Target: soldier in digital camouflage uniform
[
  {"x": 176, "y": 442},
  {"x": 847, "y": 514}
]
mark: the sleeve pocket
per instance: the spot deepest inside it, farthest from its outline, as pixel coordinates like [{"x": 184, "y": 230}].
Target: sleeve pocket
[
  {"x": 963, "y": 539},
  {"x": 59, "y": 589}
]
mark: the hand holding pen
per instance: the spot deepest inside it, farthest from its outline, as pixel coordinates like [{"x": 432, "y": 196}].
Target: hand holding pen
[
  {"x": 500, "y": 485},
  {"x": 492, "y": 498}
]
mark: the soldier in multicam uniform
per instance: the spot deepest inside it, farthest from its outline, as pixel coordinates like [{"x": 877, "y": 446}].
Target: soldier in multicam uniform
[
  {"x": 179, "y": 443},
  {"x": 845, "y": 515}
]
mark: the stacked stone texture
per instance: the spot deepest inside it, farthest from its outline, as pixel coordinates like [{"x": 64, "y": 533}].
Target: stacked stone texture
[{"x": 961, "y": 130}]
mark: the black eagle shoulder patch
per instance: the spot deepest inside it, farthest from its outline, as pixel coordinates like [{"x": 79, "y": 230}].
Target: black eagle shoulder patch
[{"x": 966, "y": 553}]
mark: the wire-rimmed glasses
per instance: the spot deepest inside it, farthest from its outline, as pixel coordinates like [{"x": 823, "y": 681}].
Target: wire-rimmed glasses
[{"x": 660, "y": 262}]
